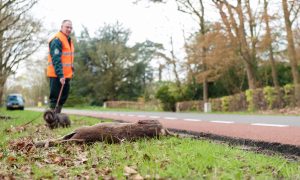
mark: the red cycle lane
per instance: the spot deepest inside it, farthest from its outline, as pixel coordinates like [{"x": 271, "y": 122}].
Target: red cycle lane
[{"x": 289, "y": 135}]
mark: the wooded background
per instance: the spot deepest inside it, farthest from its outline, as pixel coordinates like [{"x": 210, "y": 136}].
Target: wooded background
[{"x": 254, "y": 46}]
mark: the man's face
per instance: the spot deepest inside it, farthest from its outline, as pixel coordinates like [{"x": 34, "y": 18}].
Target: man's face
[{"x": 66, "y": 28}]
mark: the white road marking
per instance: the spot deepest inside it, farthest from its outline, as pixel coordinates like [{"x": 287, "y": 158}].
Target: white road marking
[
  {"x": 273, "y": 125},
  {"x": 224, "y": 122},
  {"x": 141, "y": 116},
  {"x": 192, "y": 119},
  {"x": 154, "y": 117},
  {"x": 170, "y": 118},
  {"x": 131, "y": 115}
]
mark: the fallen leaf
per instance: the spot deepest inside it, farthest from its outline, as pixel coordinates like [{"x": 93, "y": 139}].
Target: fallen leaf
[
  {"x": 104, "y": 172},
  {"x": 58, "y": 160},
  {"x": 129, "y": 170},
  {"x": 11, "y": 159}
]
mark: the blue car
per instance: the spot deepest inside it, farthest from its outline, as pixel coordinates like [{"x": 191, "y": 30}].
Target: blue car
[{"x": 15, "y": 101}]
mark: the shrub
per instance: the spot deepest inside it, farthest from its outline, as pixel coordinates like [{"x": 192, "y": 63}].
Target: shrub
[
  {"x": 74, "y": 101},
  {"x": 167, "y": 99},
  {"x": 249, "y": 98},
  {"x": 225, "y": 103},
  {"x": 270, "y": 96},
  {"x": 289, "y": 95}
]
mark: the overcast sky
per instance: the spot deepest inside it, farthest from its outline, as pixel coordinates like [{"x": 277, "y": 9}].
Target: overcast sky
[{"x": 155, "y": 22}]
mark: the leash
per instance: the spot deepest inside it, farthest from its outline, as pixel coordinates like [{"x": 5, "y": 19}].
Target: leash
[{"x": 58, "y": 99}]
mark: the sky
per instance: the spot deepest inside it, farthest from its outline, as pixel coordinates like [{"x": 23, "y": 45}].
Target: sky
[{"x": 147, "y": 21}]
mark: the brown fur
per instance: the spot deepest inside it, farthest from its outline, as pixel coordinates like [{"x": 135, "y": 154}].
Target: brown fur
[
  {"x": 55, "y": 120},
  {"x": 113, "y": 132},
  {"x": 117, "y": 132}
]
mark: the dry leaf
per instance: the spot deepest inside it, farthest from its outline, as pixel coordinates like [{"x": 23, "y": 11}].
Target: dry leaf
[
  {"x": 136, "y": 177},
  {"x": 129, "y": 170},
  {"x": 11, "y": 159},
  {"x": 58, "y": 160}
]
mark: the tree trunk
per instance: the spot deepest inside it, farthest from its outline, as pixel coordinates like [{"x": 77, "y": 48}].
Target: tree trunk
[
  {"x": 2, "y": 82},
  {"x": 2, "y": 77},
  {"x": 112, "y": 133},
  {"x": 291, "y": 50},
  {"x": 205, "y": 90},
  {"x": 250, "y": 76},
  {"x": 269, "y": 39},
  {"x": 248, "y": 52},
  {"x": 173, "y": 62}
]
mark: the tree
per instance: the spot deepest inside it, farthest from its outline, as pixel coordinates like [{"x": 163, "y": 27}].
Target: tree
[
  {"x": 197, "y": 9},
  {"x": 289, "y": 8},
  {"x": 17, "y": 36},
  {"x": 243, "y": 38},
  {"x": 109, "y": 68},
  {"x": 220, "y": 57},
  {"x": 268, "y": 40},
  {"x": 171, "y": 61}
]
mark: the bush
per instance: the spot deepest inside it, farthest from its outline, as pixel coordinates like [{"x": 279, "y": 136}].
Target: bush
[
  {"x": 225, "y": 103},
  {"x": 167, "y": 99},
  {"x": 74, "y": 101},
  {"x": 249, "y": 98},
  {"x": 270, "y": 96},
  {"x": 289, "y": 97}
]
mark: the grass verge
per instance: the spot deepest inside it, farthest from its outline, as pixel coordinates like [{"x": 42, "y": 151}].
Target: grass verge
[{"x": 166, "y": 157}]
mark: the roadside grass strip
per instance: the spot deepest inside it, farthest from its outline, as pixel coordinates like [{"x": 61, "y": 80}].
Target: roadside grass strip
[{"x": 164, "y": 157}]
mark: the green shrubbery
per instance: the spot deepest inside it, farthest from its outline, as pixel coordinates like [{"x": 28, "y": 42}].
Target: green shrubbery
[
  {"x": 289, "y": 95},
  {"x": 225, "y": 103},
  {"x": 249, "y": 99},
  {"x": 270, "y": 96},
  {"x": 166, "y": 97}
]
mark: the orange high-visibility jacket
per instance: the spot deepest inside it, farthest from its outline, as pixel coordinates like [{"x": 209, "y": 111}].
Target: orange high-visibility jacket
[{"x": 67, "y": 57}]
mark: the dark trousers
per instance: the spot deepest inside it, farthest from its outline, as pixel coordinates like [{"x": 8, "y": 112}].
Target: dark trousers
[{"x": 55, "y": 87}]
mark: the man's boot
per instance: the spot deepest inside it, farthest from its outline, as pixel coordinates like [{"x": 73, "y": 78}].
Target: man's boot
[
  {"x": 52, "y": 107},
  {"x": 58, "y": 109}
]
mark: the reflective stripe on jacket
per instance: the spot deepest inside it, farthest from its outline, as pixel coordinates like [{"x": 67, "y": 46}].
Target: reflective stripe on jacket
[{"x": 67, "y": 57}]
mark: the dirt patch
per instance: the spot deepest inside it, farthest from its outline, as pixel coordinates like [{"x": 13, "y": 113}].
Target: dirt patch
[{"x": 290, "y": 152}]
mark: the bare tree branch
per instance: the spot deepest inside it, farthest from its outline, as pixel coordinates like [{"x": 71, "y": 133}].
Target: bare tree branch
[{"x": 16, "y": 36}]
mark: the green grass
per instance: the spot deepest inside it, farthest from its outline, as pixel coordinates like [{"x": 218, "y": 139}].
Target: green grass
[{"x": 167, "y": 157}]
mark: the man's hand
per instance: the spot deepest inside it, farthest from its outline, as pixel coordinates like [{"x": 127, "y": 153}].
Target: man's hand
[{"x": 62, "y": 81}]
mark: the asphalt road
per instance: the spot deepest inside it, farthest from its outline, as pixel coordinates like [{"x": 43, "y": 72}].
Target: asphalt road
[{"x": 257, "y": 120}]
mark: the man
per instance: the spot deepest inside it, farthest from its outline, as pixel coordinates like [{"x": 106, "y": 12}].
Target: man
[{"x": 60, "y": 65}]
